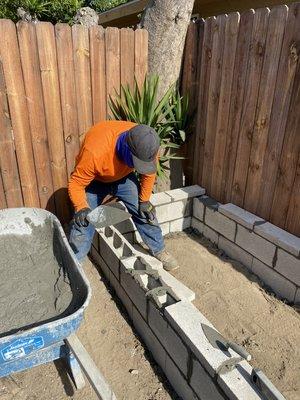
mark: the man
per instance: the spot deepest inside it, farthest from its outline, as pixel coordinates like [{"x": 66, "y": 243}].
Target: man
[{"x": 111, "y": 152}]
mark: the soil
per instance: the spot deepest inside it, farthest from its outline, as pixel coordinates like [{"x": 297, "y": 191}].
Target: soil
[
  {"x": 235, "y": 301},
  {"x": 34, "y": 286},
  {"x": 107, "y": 335}
]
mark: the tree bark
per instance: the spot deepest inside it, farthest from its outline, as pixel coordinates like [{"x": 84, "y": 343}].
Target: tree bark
[{"x": 167, "y": 22}]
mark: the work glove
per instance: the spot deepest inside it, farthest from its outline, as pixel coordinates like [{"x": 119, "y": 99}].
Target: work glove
[
  {"x": 147, "y": 211},
  {"x": 80, "y": 217}
]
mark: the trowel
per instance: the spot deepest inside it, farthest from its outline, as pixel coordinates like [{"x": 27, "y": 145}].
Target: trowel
[
  {"x": 107, "y": 215},
  {"x": 219, "y": 342}
]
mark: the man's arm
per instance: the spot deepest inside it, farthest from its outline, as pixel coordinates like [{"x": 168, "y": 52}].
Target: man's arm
[
  {"x": 81, "y": 177},
  {"x": 147, "y": 183}
]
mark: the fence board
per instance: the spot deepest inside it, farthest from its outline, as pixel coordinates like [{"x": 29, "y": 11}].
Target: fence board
[
  {"x": 140, "y": 54},
  {"x": 81, "y": 50},
  {"x": 274, "y": 39},
  {"x": 282, "y": 98},
  {"x": 66, "y": 72},
  {"x": 51, "y": 94},
  {"x": 113, "y": 79},
  {"x": 218, "y": 39},
  {"x": 236, "y": 104},
  {"x": 189, "y": 86},
  {"x": 202, "y": 99},
  {"x": 256, "y": 56},
  {"x": 8, "y": 162},
  {"x": 127, "y": 56},
  {"x": 293, "y": 217},
  {"x": 231, "y": 34},
  {"x": 288, "y": 159},
  {"x": 3, "y": 203},
  {"x": 97, "y": 52},
  {"x": 10, "y": 56},
  {"x": 35, "y": 103}
]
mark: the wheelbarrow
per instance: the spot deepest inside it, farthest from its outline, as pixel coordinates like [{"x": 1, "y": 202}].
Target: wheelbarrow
[{"x": 53, "y": 338}]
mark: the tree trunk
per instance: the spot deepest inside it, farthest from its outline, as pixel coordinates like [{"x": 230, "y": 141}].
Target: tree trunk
[{"x": 167, "y": 22}]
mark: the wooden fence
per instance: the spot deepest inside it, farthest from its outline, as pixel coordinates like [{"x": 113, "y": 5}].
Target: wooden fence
[
  {"x": 242, "y": 73},
  {"x": 54, "y": 85}
]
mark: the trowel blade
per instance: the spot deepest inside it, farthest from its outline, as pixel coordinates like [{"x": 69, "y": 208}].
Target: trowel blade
[
  {"x": 103, "y": 216},
  {"x": 215, "y": 338}
]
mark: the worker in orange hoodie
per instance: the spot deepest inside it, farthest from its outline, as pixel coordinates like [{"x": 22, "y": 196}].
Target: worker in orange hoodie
[{"x": 110, "y": 153}]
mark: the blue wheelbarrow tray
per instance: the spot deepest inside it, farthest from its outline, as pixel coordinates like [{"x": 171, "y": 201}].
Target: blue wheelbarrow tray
[{"x": 43, "y": 341}]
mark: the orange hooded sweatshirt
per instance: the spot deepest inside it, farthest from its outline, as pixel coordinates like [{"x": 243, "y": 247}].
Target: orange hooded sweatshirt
[{"x": 98, "y": 160}]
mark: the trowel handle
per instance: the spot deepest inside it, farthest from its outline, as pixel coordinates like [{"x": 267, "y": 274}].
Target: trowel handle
[{"x": 240, "y": 350}]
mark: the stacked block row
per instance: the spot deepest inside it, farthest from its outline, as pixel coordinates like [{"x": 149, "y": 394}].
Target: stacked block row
[
  {"x": 266, "y": 250},
  {"x": 161, "y": 311}
]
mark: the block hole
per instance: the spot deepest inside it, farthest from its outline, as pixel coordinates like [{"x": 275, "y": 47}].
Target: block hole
[
  {"x": 117, "y": 241},
  {"x": 126, "y": 251},
  {"x": 108, "y": 232}
]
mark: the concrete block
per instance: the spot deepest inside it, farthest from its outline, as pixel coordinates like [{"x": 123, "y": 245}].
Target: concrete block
[
  {"x": 96, "y": 241},
  {"x": 150, "y": 340},
  {"x": 172, "y": 211},
  {"x": 198, "y": 209},
  {"x": 185, "y": 192},
  {"x": 178, "y": 381},
  {"x": 137, "y": 237},
  {"x": 129, "y": 236},
  {"x": 98, "y": 260},
  {"x": 288, "y": 266},
  {"x": 237, "y": 384},
  {"x": 134, "y": 292},
  {"x": 255, "y": 245},
  {"x": 168, "y": 338},
  {"x": 125, "y": 226},
  {"x": 239, "y": 215},
  {"x": 297, "y": 297},
  {"x": 182, "y": 291},
  {"x": 165, "y": 228},
  {"x": 278, "y": 283},
  {"x": 198, "y": 225},
  {"x": 109, "y": 254},
  {"x": 203, "y": 384},
  {"x": 122, "y": 295},
  {"x": 220, "y": 223},
  {"x": 180, "y": 224},
  {"x": 157, "y": 199},
  {"x": 186, "y": 320},
  {"x": 280, "y": 237},
  {"x": 210, "y": 202},
  {"x": 137, "y": 262},
  {"x": 235, "y": 252}
]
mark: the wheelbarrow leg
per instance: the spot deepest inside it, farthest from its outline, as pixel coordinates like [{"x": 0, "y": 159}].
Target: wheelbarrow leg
[{"x": 76, "y": 372}]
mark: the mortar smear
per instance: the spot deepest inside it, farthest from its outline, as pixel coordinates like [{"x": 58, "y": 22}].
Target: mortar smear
[{"x": 34, "y": 286}]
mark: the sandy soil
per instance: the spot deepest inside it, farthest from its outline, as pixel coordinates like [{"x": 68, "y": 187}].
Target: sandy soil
[
  {"x": 108, "y": 337},
  {"x": 235, "y": 302}
]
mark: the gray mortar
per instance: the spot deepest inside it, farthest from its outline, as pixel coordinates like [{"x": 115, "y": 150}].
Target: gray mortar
[{"x": 34, "y": 286}]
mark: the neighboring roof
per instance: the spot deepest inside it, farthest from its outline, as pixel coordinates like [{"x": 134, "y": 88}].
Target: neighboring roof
[{"x": 128, "y": 14}]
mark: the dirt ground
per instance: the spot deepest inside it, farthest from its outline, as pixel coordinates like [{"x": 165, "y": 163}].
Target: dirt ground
[
  {"x": 109, "y": 338},
  {"x": 235, "y": 302}
]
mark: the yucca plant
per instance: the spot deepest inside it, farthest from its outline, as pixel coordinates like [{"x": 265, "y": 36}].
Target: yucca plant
[{"x": 141, "y": 105}]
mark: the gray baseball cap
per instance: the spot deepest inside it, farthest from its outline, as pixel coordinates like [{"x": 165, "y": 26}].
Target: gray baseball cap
[{"x": 143, "y": 142}]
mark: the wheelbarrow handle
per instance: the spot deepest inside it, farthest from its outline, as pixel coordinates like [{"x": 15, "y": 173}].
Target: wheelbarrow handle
[{"x": 94, "y": 376}]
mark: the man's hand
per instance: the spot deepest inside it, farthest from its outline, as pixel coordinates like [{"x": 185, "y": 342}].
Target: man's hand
[
  {"x": 80, "y": 217},
  {"x": 147, "y": 211}
]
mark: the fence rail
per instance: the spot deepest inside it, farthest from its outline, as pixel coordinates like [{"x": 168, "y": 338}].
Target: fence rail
[
  {"x": 54, "y": 85},
  {"x": 242, "y": 73}
]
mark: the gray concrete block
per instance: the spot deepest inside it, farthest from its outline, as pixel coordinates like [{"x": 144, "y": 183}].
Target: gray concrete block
[
  {"x": 109, "y": 254},
  {"x": 198, "y": 225},
  {"x": 220, "y": 223},
  {"x": 198, "y": 209},
  {"x": 178, "y": 381},
  {"x": 165, "y": 228},
  {"x": 255, "y": 245},
  {"x": 150, "y": 340},
  {"x": 172, "y": 211},
  {"x": 186, "y": 320},
  {"x": 122, "y": 295},
  {"x": 134, "y": 292},
  {"x": 126, "y": 226},
  {"x": 280, "y": 237},
  {"x": 129, "y": 236},
  {"x": 211, "y": 235},
  {"x": 210, "y": 202},
  {"x": 182, "y": 291},
  {"x": 203, "y": 384},
  {"x": 168, "y": 338},
  {"x": 235, "y": 252},
  {"x": 297, "y": 297},
  {"x": 101, "y": 263},
  {"x": 96, "y": 241},
  {"x": 180, "y": 224},
  {"x": 239, "y": 215},
  {"x": 185, "y": 192},
  {"x": 278, "y": 283},
  {"x": 288, "y": 266},
  {"x": 157, "y": 199}
]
